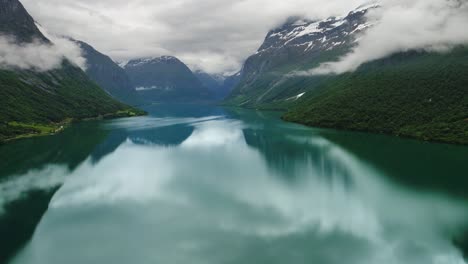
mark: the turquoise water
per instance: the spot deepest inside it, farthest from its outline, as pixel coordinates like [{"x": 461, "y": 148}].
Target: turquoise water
[{"x": 198, "y": 184}]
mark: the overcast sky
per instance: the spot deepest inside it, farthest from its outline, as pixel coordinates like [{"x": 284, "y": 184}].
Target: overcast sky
[{"x": 216, "y": 35}]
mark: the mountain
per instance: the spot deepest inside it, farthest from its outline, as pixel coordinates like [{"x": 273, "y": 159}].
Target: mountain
[
  {"x": 108, "y": 75},
  {"x": 212, "y": 82},
  {"x": 422, "y": 95},
  {"x": 299, "y": 44},
  {"x": 33, "y": 103},
  {"x": 16, "y": 22},
  {"x": 230, "y": 82},
  {"x": 166, "y": 79},
  {"x": 219, "y": 84}
]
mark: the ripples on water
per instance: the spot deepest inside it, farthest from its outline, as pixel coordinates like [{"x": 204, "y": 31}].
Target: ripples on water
[{"x": 233, "y": 188}]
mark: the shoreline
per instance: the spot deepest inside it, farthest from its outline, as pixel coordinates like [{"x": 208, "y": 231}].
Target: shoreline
[
  {"x": 376, "y": 132},
  {"x": 33, "y": 130}
]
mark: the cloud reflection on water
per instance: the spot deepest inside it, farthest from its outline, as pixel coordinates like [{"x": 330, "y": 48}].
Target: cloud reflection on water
[{"x": 215, "y": 199}]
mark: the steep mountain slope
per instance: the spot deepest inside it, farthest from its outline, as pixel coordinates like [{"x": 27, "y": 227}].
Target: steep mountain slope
[
  {"x": 415, "y": 94},
  {"x": 299, "y": 44},
  {"x": 166, "y": 79},
  {"x": 35, "y": 102},
  {"x": 16, "y": 22},
  {"x": 108, "y": 75}
]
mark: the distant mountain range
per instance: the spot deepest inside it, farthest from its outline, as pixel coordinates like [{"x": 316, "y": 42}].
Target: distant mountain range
[
  {"x": 166, "y": 79},
  {"x": 153, "y": 80},
  {"x": 220, "y": 85},
  {"x": 414, "y": 94},
  {"x": 33, "y": 102}
]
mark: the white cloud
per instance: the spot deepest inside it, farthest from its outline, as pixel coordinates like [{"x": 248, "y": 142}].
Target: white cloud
[
  {"x": 38, "y": 55},
  {"x": 215, "y": 35},
  {"x": 433, "y": 25}
]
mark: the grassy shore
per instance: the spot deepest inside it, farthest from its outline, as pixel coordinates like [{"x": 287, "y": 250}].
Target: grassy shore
[{"x": 12, "y": 131}]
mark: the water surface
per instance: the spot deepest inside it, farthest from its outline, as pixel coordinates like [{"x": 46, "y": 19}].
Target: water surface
[{"x": 198, "y": 184}]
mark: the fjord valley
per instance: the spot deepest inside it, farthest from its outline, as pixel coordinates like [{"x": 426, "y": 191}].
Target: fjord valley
[
  {"x": 233, "y": 132},
  {"x": 42, "y": 97}
]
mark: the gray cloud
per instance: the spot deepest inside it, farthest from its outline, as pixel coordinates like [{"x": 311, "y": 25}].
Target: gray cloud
[
  {"x": 214, "y": 35},
  {"x": 37, "y": 55},
  {"x": 432, "y": 25}
]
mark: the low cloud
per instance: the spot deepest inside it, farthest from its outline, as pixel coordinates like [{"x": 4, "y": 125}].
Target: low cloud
[
  {"x": 214, "y": 35},
  {"x": 37, "y": 55},
  {"x": 431, "y": 25}
]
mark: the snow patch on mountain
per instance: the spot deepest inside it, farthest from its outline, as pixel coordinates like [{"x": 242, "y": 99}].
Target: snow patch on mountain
[
  {"x": 367, "y": 6},
  {"x": 318, "y": 35},
  {"x": 149, "y": 60},
  {"x": 154, "y": 87}
]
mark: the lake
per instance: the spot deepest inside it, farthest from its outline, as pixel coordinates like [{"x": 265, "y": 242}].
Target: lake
[{"x": 201, "y": 184}]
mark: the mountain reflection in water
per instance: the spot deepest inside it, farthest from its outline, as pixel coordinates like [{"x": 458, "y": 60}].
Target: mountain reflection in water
[{"x": 238, "y": 188}]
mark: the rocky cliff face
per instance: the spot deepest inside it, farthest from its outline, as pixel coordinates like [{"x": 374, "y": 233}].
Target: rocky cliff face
[{"x": 16, "y": 22}]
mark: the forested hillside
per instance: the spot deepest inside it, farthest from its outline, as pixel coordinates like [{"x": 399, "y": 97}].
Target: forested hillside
[{"x": 415, "y": 94}]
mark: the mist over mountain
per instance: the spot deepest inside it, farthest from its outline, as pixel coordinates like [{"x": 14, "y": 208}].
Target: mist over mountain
[
  {"x": 40, "y": 88},
  {"x": 297, "y": 45},
  {"x": 401, "y": 26},
  {"x": 24, "y": 45},
  {"x": 390, "y": 88},
  {"x": 298, "y": 131},
  {"x": 216, "y": 36}
]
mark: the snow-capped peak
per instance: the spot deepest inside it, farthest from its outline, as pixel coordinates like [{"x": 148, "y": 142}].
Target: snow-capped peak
[
  {"x": 309, "y": 35},
  {"x": 142, "y": 61}
]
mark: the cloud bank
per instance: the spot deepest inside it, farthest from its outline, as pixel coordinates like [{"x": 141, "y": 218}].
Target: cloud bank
[
  {"x": 213, "y": 35},
  {"x": 37, "y": 55},
  {"x": 218, "y": 35},
  {"x": 431, "y": 25}
]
